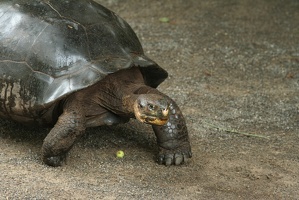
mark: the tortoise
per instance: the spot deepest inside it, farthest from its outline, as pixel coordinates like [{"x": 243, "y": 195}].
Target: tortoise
[{"x": 73, "y": 64}]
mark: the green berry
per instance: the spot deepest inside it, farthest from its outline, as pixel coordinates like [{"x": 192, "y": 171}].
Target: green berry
[{"x": 120, "y": 154}]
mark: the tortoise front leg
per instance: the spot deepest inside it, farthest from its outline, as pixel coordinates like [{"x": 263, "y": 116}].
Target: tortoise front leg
[
  {"x": 172, "y": 138},
  {"x": 70, "y": 125}
]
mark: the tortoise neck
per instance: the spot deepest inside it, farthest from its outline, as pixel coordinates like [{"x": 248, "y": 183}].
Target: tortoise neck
[
  {"x": 128, "y": 102},
  {"x": 118, "y": 92},
  {"x": 116, "y": 95}
]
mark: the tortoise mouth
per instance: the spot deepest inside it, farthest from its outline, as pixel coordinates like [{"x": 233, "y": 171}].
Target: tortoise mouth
[{"x": 152, "y": 119}]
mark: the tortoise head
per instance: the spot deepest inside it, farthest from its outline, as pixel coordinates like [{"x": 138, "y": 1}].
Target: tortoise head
[{"x": 152, "y": 109}]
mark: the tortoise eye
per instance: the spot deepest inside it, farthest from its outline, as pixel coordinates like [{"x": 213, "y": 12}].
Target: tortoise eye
[{"x": 150, "y": 106}]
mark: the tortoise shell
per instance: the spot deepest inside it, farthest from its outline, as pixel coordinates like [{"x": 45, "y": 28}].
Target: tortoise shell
[{"x": 49, "y": 49}]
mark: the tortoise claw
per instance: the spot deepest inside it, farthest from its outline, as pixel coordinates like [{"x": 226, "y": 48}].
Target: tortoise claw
[
  {"x": 171, "y": 158},
  {"x": 54, "y": 161},
  {"x": 160, "y": 159},
  {"x": 168, "y": 160},
  {"x": 178, "y": 159}
]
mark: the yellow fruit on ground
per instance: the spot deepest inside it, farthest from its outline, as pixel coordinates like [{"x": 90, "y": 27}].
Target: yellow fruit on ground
[{"x": 120, "y": 154}]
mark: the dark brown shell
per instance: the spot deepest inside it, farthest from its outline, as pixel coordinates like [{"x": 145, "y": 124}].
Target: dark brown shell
[{"x": 49, "y": 49}]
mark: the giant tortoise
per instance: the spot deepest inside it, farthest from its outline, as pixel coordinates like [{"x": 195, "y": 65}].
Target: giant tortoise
[{"x": 73, "y": 64}]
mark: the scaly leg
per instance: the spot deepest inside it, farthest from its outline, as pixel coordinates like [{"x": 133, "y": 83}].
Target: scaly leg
[{"x": 173, "y": 139}]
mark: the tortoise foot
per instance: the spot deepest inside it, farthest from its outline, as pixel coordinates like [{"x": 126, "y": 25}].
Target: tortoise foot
[
  {"x": 54, "y": 161},
  {"x": 174, "y": 157}
]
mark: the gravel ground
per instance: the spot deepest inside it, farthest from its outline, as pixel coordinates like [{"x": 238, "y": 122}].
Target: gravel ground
[{"x": 234, "y": 70}]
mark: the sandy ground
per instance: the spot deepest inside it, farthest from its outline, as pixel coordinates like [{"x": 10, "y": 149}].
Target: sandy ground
[{"x": 234, "y": 68}]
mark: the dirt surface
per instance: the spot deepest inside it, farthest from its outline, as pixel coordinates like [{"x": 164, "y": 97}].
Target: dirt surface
[{"x": 234, "y": 68}]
